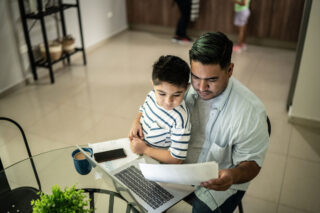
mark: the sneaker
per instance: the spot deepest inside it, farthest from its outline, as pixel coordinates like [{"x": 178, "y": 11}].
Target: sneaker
[
  {"x": 237, "y": 49},
  {"x": 175, "y": 39},
  {"x": 184, "y": 40},
  {"x": 244, "y": 47}
]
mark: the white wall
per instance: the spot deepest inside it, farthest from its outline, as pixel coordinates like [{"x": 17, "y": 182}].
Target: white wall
[
  {"x": 306, "y": 100},
  {"x": 101, "y": 19}
]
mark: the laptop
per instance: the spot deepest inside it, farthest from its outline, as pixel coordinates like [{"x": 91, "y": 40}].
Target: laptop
[{"x": 144, "y": 195}]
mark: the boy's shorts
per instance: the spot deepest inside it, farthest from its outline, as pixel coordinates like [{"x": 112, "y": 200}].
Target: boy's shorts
[{"x": 241, "y": 18}]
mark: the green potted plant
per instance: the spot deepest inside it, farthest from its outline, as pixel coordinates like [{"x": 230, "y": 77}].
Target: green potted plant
[{"x": 70, "y": 200}]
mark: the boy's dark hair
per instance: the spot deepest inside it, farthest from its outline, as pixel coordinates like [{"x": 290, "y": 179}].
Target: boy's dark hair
[
  {"x": 212, "y": 48},
  {"x": 171, "y": 69}
]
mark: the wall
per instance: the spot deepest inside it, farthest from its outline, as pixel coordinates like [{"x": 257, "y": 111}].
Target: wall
[
  {"x": 271, "y": 19},
  {"x": 101, "y": 19},
  {"x": 7, "y": 42},
  {"x": 306, "y": 100}
]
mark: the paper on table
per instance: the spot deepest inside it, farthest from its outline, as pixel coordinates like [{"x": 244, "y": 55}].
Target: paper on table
[
  {"x": 115, "y": 144},
  {"x": 192, "y": 174}
]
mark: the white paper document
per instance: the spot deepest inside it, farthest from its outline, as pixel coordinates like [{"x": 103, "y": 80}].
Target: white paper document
[
  {"x": 115, "y": 144},
  {"x": 190, "y": 174}
]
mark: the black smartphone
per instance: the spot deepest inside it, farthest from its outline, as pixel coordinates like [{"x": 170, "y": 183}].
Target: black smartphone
[{"x": 109, "y": 155}]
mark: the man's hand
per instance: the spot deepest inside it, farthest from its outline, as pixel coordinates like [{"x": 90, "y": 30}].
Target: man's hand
[
  {"x": 138, "y": 146},
  {"x": 244, "y": 172},
  {"x": 222, "y": 183},
  {"x": 136, "y": 129}
]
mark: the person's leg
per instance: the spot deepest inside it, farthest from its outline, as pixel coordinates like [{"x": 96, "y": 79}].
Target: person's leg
[
  {"x": 241, "y": 19},
  {"x": 199, "y": 207},
  {"x": 241, "y": 35},
  {"x": 232, "y": 202},
  {"x": 181, "y": 26},
  {"x": 185, "y": 11},
  {"x": 228, "y": 206}
]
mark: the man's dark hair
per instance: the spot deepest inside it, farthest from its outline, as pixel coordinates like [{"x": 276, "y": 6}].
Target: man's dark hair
[
  {"x": 171, "y": 69},
  {"x": 212, "y": 48}
]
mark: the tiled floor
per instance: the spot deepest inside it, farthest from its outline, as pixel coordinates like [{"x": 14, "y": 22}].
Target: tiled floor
[{"x": 99, "y": 101}]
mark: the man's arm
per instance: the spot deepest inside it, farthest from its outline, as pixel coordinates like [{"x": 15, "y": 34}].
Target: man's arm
[{"x": 244, "y": 172}]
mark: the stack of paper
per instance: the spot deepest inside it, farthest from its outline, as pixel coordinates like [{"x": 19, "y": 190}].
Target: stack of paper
[{"x": 192, "y": 174}]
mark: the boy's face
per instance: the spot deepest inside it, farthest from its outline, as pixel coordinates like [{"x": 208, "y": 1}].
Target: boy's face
[{"x": 169, "y": 96}]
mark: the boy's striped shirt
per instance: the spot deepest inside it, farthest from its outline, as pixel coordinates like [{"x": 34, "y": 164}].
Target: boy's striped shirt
[{"x": 166, "y": 129}]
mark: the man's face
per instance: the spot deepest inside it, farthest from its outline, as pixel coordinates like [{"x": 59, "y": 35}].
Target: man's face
[
  {"x": 209, "y": 80},
  {"x": 168, "y": 95}
]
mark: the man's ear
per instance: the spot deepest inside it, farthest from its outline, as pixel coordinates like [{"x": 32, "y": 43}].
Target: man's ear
[{"x": 230, "y": 70}]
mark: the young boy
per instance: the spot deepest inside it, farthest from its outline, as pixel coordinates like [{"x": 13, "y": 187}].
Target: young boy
[{"x": 162, "y": 128}]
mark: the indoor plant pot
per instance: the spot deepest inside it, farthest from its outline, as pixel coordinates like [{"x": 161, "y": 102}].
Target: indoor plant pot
[{"x": 67, "y": 201}]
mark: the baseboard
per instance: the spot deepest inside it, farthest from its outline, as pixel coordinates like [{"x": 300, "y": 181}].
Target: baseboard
[
  {"x": 42, "y": 73},
  {"x": 105, "y": 40},
  {"x": 13, "y": 88},
  {"x": 303, "y": 121},
  {"x": 196, "y": 33}
]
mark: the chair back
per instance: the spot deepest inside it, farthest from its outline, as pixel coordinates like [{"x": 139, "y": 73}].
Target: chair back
[
  {"x": 4, "y": 185},
  {"x": 269, "y": 126},
  {"x": 4, "y": 182}
]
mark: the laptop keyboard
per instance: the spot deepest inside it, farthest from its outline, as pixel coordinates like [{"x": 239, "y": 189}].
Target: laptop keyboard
[{"x": 149, "y": 191}]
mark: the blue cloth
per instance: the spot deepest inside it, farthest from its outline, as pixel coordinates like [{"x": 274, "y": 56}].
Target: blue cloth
[{"x": 236, "y": 131}]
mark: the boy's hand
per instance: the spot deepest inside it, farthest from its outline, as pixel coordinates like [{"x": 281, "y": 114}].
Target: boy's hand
[
  {"x": 138, "y": 146},
  {"x": 136, "y": 130}
]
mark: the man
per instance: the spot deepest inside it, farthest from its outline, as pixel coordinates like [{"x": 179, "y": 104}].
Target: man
[{"x": 229, "y": 125}]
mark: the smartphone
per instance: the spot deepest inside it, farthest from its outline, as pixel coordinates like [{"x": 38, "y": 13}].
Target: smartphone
[{"x": 109, "y": 155}]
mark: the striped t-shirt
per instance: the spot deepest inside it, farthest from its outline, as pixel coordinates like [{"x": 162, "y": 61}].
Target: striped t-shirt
[{"x": 166, "y": 129}]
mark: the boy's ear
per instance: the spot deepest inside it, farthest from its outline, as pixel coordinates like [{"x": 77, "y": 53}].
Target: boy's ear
[{"x": 151, "y": 82}]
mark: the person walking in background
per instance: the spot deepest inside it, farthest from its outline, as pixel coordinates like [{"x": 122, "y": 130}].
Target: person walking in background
[
  {"x": 242, "y": 13},
  {"x": 181, "y": 29}
]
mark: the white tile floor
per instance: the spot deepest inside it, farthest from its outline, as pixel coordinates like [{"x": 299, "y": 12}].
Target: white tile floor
[{"x": 98, "y": 102}]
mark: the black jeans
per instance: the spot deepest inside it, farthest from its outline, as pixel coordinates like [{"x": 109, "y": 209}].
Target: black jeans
[
  {"x": 185, "y": 11},
  {"x": 227, "y": 207}
]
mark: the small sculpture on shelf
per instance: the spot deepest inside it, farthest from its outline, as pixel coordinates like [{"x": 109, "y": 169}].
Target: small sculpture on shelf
[
  {"x": 68, "y": 44},
  {"x": 55, "y": 50}
]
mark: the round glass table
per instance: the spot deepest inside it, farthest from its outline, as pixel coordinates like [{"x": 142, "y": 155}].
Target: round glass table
[{"x": 56, "y": 168}]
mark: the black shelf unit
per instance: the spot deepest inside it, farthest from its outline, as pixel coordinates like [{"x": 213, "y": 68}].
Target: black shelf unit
[{"x": 40, "y": 15}]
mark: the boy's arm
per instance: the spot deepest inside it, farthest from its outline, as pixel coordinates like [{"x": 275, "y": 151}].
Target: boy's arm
[
  {"x": 140, "y": 147},
  {"x": 136, "y": 129},
  {"x": 162, "y": 155}
]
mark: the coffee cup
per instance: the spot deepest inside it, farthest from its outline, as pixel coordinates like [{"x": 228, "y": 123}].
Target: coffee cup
[{"x": 81, "y": 164}]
